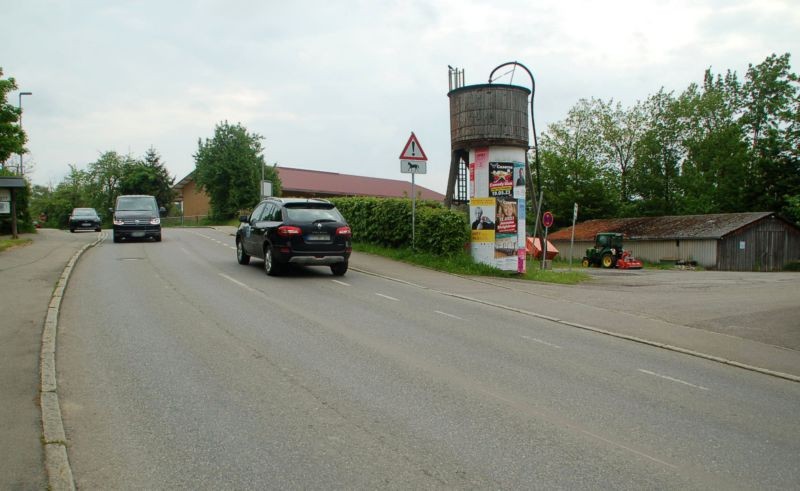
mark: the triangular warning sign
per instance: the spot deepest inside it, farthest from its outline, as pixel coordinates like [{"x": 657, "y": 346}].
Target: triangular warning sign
[{"x": 413, "y": 150}]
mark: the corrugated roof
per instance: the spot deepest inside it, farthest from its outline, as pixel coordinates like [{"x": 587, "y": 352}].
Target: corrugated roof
[
  {"x": 335, "y": 184},
  {"x": 713, "y": 226}
]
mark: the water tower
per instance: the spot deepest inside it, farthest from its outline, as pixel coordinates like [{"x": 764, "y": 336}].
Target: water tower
[{"x": 488, "y": 166}]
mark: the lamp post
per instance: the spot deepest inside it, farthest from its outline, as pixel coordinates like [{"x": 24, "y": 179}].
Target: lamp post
[{"x": 21, "y": 170}]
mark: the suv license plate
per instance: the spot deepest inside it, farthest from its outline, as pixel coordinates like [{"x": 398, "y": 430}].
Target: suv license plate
[{"x": 318, "y": 237}]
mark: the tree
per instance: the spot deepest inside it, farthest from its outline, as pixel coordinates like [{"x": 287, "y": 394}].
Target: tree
[
  {"x": 228, "y": 169},
  {"x": 716, "y": 155},
  {"x": 104, "y": 176},
  {"x": 620, "y": 130},
  {"x": 770, "y": 105},
  {"x": 148, "y": 176},
  {"x": 12, "y": 138},
  {"x": 658, "y": 155},
  {"x": 572, "y": 170}
]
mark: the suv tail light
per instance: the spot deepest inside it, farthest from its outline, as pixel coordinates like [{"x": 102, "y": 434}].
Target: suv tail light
[
  {"x": 289, "y": 231},
  {"x": 344, "y": 231}
]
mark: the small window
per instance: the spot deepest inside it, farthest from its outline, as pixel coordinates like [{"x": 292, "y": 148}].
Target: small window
[
  {"x": 271, "y": 212},
  {"x": 255, "y": 216}
]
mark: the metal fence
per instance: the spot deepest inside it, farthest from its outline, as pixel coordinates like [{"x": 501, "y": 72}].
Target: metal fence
[{"x": 184, "y": 221}]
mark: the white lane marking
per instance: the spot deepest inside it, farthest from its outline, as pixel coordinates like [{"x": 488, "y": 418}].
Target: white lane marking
[
  {"x": 341, "y": 282},
  {"x": 238, "y": 282},
  {"x": 448, "y": 315},
  {"x": 648, "y": 372},
  {"x": 387, "y": 296},
  {"x": 535, "y": 340}
]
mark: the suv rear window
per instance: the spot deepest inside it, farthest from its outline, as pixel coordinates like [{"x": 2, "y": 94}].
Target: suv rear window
[{"x": 313, "y": 214}]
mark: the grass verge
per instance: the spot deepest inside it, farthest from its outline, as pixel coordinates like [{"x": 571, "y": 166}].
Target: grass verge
[
  {"x": 8, "y": 243},
  {"x": 464, "y": 265}
]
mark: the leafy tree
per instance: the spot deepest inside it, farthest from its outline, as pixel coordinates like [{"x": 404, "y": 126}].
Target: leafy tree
[
  {"x": 770, "y": 104},
  {"x": 657, "y": 160},
  {"x": 148, "y": 176},
  {"x": 716, "y": 155},
  {"x": 104, "y": 176},
  {"x": 12, "y": 138},
  {"x": 620, "y": 130},
  {"x": 228, "y": 169},
  {"x": 572, "y": 170}
]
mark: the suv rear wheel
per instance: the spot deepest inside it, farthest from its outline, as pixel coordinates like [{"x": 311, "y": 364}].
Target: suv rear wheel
[
  {"x": 270, "y": 266},
  {"x": 339, "y": 269},
  {"x": 241, "y": 256}
]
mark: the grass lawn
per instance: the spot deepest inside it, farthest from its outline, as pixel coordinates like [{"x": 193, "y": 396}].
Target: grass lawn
[
  {"x": 464, "y": 265},
  {"x": 8, "y": 243}
]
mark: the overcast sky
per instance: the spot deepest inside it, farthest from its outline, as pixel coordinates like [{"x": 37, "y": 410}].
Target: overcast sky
[{"x": 339, "y": 85}]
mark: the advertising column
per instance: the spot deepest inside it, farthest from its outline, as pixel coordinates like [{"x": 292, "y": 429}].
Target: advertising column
[{"x": 497, "y": 207}]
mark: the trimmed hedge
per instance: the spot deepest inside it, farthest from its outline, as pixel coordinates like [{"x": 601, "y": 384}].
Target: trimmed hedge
[{"x": 387, "y": 222}]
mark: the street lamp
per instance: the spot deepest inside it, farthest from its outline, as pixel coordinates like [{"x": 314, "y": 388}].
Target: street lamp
[{"x": 21, "y": 170}]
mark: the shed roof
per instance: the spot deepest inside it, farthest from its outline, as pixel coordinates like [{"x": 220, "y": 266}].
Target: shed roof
[
  {"x": 715, "y": 226},
  {"x": 334, "y": 184}
]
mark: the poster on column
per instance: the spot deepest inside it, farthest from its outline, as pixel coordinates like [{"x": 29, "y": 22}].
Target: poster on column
[
  {"x": 482, "y": 223},
  {"x": 519, "y": 180},
  {"x": 501, "y": 179},
  {"x": 506, "y": 237},
  {"x": 521, "y": 233},
  {"x": 472, "y": 179},
  {"x": 480, "y": 176}
]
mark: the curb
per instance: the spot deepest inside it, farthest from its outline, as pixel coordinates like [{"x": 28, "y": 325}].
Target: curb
[
  {"x": 677, "y": 349},
  {"x": 54, "y": 440}
]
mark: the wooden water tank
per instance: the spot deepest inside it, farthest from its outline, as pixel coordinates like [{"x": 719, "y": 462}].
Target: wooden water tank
[{"x": 489, "y": 115}]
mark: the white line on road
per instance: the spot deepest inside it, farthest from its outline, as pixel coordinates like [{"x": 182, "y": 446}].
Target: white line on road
[
  {"x": 648, "y": 372},
  {"x": 387, "y": 296},
  {"x": 341, "y": 282},
  {"x": 238, "y": 282},
  {"x": 448, "y": 315},
  {"x": 535, "y": 340}
]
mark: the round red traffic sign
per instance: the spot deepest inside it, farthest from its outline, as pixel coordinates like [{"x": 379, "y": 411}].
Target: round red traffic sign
[{"x": 547, "y": 219}]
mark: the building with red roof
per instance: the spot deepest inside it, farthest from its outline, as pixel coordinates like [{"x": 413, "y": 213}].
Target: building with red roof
[{"x": 310, "y": 184}]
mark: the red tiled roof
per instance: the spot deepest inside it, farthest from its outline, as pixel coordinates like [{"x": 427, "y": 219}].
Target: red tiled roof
[{"x": 324, "y": 183}]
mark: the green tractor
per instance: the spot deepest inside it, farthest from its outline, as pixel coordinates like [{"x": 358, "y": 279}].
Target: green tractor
[{"x": 608, "y": 253}]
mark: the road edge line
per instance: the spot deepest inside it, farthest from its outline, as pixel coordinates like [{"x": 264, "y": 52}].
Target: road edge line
[{"x": 54, "y": 441}]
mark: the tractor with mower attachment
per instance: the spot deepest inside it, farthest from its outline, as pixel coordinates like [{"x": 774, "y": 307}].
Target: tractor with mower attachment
[{"x": 608, "y": 253}]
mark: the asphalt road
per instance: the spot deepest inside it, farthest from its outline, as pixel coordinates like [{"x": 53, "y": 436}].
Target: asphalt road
[{"x": 179, "y": 368}]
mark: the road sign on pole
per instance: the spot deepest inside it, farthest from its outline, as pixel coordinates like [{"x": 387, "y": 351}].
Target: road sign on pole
[
  {"x": 547, "y": 219},
  {"x": 413, "y": 161},
  {"x": 413, "y": 150}
]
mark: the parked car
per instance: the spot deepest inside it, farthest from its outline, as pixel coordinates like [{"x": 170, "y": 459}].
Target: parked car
[
  {"x": 137, "y": 216},
  {"x": 84, "y": 219},
  {"x": 284, "y": 231}
]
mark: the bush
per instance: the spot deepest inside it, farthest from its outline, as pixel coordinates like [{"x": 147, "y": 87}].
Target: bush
[
  {"x": 387, "y": 222},
  {"x": 792, "y": 266}
]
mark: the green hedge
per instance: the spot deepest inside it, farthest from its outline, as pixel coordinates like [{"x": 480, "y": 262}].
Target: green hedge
[{"x": 387, "y": 222}]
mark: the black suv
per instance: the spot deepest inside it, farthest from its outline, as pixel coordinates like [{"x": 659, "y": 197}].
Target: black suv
[
  {"x": 137, "y": 216},
  {"x": 297, "y": 231}
]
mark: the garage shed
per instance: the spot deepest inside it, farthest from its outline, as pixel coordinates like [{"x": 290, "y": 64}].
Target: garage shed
[{"x": 759, "y": 241}]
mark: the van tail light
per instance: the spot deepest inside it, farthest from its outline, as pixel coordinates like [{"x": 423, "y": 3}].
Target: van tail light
[
  {"x": 344, "y": 231},
  {"x": 289, "y": 231}
]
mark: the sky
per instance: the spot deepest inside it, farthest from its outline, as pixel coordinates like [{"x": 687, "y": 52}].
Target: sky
[{"x": 340, "y": 85}]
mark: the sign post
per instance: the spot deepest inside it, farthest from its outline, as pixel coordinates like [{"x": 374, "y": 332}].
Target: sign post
[
  {"x": 413, "y": 161},
  {"x": 572, "y": 240},
  {"x": 547, "y": 222}
]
